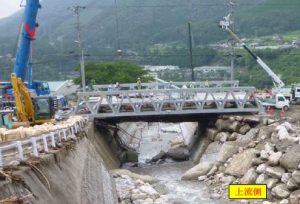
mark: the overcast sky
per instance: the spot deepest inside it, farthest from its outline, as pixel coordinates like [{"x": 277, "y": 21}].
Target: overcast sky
[{"x": 8, "y": 7}]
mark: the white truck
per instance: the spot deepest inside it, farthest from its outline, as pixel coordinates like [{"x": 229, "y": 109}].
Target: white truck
[{"x": 278, "y": 101}]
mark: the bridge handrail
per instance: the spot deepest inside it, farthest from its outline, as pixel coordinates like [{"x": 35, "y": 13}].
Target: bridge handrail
[
  {"x": 30, "y": 145},
  {"x": 161, "y": 85},
  {"x": 149, "y": 91}
]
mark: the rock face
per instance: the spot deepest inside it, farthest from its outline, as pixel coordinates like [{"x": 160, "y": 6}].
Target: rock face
[
  {"x": 291, "y": 159},
  {"x": 295, "y": 197},
  {"x": 238, "y": 168},
  {"x": 199, "y": 170}
]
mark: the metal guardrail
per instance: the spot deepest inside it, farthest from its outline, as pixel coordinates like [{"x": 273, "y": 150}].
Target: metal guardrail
[
  {"x": 147, "y": 102},
  {"x": 19, "y": 150},
  {"x": 167, "y": 85}
]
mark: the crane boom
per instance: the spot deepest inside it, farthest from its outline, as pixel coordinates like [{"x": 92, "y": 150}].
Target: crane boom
[
  {"x": 276, "y": 80},
  {"x": 28, "y": 35}
]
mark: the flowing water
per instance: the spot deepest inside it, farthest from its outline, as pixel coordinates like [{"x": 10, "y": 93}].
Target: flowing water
[{"x": 169, "y": 172}]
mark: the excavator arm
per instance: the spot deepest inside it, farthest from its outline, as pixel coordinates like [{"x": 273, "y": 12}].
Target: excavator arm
[{"x": 24, "y": 105}]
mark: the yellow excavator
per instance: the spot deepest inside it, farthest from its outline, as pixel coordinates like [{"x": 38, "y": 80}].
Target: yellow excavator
[{"x": 35, "y": 110}]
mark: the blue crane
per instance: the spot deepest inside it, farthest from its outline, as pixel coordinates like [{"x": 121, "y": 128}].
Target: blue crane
[{"x": 23, "y": 64}]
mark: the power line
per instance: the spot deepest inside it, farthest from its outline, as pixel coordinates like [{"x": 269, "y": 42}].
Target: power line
[{"x": 193, "y": 5}]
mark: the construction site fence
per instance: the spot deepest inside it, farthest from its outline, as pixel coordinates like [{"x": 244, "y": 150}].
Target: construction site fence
[{"x": 22, "y": 149}]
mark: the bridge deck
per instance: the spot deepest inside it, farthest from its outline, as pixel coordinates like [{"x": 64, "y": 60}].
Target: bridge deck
[{"x": 154, "y": 102}]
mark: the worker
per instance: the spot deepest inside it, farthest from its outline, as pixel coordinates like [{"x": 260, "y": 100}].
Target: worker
[
  {"x": 170, "y": 84},
  {"x": 117, "y": 86},
  {"x": 139, "y": 83},
  {"x": 192, "y": 85},
  {"x": 206, "y": 84}
]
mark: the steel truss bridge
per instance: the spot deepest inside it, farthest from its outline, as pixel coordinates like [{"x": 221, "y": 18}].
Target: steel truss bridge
[{"x": 162, "y": 99}]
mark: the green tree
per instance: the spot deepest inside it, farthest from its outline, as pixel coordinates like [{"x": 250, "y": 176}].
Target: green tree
[{"x": 113, "y": 72}]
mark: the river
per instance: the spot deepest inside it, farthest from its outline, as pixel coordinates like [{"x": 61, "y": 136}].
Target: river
[{"x": 169, "y": 172}]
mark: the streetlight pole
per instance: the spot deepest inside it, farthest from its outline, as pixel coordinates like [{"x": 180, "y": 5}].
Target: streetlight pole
[{"x": 76, "y": 10}]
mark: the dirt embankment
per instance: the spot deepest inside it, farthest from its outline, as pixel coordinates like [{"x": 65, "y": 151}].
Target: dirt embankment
[{"x": 78, "y": 174}]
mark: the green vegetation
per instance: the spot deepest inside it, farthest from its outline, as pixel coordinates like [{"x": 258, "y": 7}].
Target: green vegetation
[{"x": 113, "y": 72}]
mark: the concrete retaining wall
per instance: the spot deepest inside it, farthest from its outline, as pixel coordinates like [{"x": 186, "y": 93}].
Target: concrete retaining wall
[{"x": 80, "y": 175}]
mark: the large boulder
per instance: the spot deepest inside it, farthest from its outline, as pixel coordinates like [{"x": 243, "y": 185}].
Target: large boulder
[
  {"x": 285, "y": 177},
  {"x": 244, "y": 129},
  {"x": 295, "y": 197},
  {"x": 275, "y": 172},
  {"x": 211, "y": 152},
  {"x": 261, "y": 179},
  {"x": 261, "y": 168},
  {"x": 296, "y": 176},
  {"x": 199, "y": 170},
  {"x": 240, "y": 164},
  {"x": 222, "y": 125},
  {"x": 160, "y": 155},
  {"x": 211, "y": 133},
  {"x": 284, "y": 145},
  {"x": 252, "y": 119},
  {"x": 292, "y": 184},
  {"x": 227, "y": 150},
  {"x": 179, "y": 153},
  {"x": 291, "y": 159},
  {"x": 221, "y": 136},
  {"x": 244, "y": 140},
  {"x": 264, "y": 133},
  {"x": 271, "y": 182},
  {"x": 280, "y": 191},
  {"x": 250, "y": 177},
  {"x": 274, "y": 158},
  {"x": 235, "y": 126}
]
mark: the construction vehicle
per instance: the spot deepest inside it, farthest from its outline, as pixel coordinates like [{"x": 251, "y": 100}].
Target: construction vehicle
[
  {"x": 278, "y": 83},
  {"x": 6, "y": 119},
  {"x": 277, "y": 101},
  {"x": 29, "y": 108}
]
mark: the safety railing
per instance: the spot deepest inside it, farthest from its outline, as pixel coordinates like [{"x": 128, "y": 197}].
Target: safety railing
[
  {"x": 112, "y": 104},
  {"x": 21, "y": 149}
]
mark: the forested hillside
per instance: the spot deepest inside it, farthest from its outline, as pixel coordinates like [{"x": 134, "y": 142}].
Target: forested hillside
[{"x": 148, "y": 32}]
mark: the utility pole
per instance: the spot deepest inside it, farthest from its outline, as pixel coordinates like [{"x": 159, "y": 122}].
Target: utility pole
[
  {"x": 76, "y": 10},
  {"x": 231, "y": 11},
  {"x": 119, "y": 50},
  {"x": 191, "y": 52}
]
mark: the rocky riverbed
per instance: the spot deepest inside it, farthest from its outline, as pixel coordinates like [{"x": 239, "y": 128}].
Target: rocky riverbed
[{"x": 233, "y": 149}]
